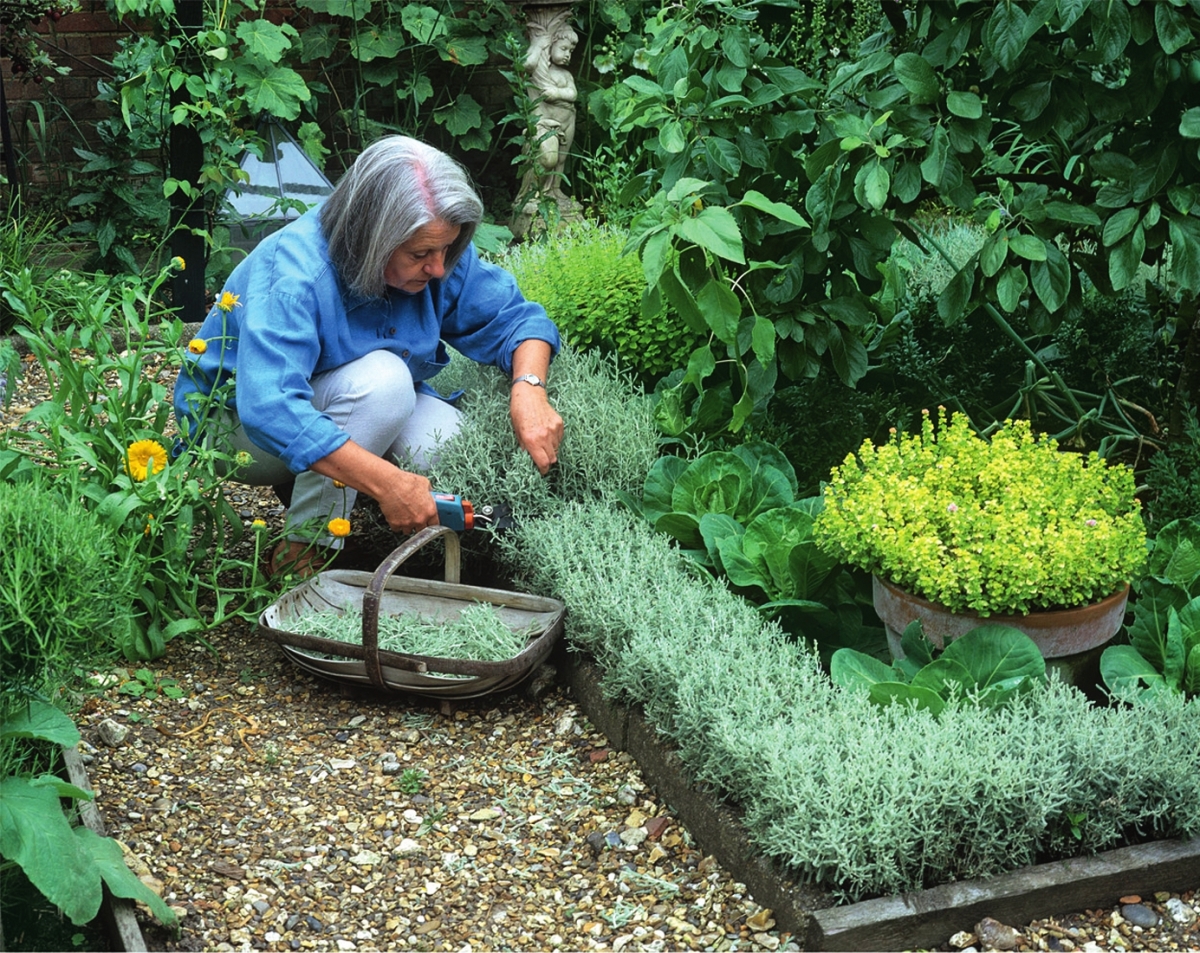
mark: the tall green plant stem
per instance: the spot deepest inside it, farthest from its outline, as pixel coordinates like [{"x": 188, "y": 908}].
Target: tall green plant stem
[{"x": 1002, "y": 323}]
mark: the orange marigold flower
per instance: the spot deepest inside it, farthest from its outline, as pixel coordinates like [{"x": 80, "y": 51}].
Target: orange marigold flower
[
  {"x": 339, "y": 527},
  {"x": 145, "y": 457}
]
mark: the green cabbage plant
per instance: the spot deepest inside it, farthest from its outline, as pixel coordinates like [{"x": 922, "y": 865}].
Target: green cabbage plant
[
  {"x": 741, "y": 484},
  {"x": 1163, "y": 654},
  {"x": 990, "y": 665},
  {"x": 735, "y": 512}
]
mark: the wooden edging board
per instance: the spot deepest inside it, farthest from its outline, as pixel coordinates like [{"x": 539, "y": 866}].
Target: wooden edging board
[
  {"x": 116, "y": 913},
  {"x": 924, "y": 918}
]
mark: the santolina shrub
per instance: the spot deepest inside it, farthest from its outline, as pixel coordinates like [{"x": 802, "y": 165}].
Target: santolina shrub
[{"x": 865, "y": 799}]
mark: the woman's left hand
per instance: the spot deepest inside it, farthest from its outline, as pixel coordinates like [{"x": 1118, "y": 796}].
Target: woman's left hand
[{"x": 538, "y": 426}]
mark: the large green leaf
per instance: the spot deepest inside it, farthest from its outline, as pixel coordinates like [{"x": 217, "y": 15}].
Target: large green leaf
[
  {"x": 715, "y": 230},
  {"x": 1175, "y": 557},
  {"x": 942, "y": 673},
  {"x": 35, "y": 834},
  {"x": 460, "y": 116},
  {"x": 849, "y": 355},
  {"x": 278, "y": 90},
  {"x": 660, "y": 483},
  {"x": 1172, "y": 28},
  {"x": 1051, "y": 279},
  {"x": 1124, "y": 259},
  {"x": 1118, "y": 225},
  {"x": 1004, "y": 36},
  {"x": 721, "y": 309},
  {"x": 781, "y": 211},
  {"x": 423, "y": 22},
  {"x": 375, "y": 43},
  {"x": 263, "y": 38},
  {"x": 1009, "y": 288},
  {"x": 1029, "y": 247},
  {"x": 44, "y": 722},
  {"x": 1185, "y": 250},
  {"x": 1152, "y": 611},
  {"x": 917, "y": 76},
  {"x": 998, "y": 656},
  {"x": 871, "y": 185},
  {"x": 856, "y": 670},
  {"x": 109, "y": 862},
  {"x": 1110, "y": 29},
  {"x": 1189, "y": 123},
  {"x": 966, "y": 105},
  {"x": 1127, "y": 673}
]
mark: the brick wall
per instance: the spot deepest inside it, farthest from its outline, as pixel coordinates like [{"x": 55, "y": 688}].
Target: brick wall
[{"x": 82, "y": 41}]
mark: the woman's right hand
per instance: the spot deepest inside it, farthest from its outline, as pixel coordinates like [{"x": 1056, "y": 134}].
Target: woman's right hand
[
  {"x": 406, "y": 499},
  {"x": 408, "y": 504}
]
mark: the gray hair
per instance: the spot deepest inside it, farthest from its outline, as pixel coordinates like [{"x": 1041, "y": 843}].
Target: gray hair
[{"x": 396, "y": 186}]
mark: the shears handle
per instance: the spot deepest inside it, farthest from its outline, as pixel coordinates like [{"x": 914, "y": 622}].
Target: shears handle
[{"x": 454, "y": 512}]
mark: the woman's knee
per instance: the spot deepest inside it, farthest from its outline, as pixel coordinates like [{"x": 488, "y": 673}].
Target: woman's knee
[{"x": 378, "y": 380}]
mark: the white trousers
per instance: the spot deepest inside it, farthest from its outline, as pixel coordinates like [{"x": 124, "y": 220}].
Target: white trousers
[{"x": 374, "y": 401}]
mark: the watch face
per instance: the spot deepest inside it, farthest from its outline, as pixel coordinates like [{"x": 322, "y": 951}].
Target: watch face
[{"x": 530, "y": 379}]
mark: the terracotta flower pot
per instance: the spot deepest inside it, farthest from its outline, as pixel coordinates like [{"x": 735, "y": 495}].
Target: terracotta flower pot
[{"x": 1058, "y": 632}]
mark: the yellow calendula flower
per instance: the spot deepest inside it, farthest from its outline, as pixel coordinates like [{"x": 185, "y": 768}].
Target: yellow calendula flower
[
  {"x": 339, "y": 484},
  {"x": 258, "y": 524},
  {"x": 339, "y": 527},
  {"x": 228, "y": 301},
  {"x": 243, "y": 458},
  {"x": 197, "y": 345},
  {"x": 145, "y": 457},
  {"x": 179, "y": 263},
  {"x": 149, "y": 523}
]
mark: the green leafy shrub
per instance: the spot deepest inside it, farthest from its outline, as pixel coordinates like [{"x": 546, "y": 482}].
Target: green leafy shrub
[
  {"x": 66, "y": 592},
  {"x": 817, "y": 423},
  {"x": 1174, "y": 477},
  {"x": 594, "y": 294},
  {"x": 953, "y": 517},
  {"x": 1163, "y": 654},
  {"x": 865, "y": 799}
]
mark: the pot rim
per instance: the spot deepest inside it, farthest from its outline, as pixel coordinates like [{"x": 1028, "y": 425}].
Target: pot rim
[{"x": 999, "y": 617}]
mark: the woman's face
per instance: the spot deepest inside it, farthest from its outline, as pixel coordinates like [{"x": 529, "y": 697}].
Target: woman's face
[{"x": 422, "y": 257}]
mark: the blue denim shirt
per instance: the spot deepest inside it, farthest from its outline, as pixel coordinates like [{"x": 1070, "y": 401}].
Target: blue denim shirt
[{"x": 295, "y": 317}]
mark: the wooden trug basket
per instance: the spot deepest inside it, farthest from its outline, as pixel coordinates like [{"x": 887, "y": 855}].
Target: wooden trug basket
[{"x": 367, "y": 665}]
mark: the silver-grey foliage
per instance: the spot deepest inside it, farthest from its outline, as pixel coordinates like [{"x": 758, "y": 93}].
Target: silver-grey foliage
[
  {"x": 610, "y": 440},
  {"x": 866, "y": 799}
]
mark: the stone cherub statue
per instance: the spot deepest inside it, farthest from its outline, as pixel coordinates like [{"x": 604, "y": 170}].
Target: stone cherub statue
[{"x": 552, "y": 88}]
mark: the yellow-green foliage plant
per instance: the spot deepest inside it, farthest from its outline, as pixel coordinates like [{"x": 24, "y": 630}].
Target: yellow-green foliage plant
[
  {"x": 1006, "y": 525},
  {"x": 594, "y": 295}
]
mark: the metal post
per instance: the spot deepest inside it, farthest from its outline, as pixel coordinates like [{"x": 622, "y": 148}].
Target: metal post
[{"x": 187, "y": 217}]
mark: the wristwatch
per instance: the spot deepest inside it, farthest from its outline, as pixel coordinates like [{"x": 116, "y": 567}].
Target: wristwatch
[{"x": 529, "y": 379}]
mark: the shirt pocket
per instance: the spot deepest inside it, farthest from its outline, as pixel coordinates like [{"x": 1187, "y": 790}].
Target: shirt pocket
[{"x": 425, "y": 369}]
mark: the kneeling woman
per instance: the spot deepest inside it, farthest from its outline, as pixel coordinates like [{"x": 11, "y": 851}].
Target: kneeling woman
[{"x": 331, "y": 328}]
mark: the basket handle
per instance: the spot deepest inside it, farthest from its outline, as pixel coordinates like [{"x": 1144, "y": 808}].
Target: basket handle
[{"x": 374, "y": 591}]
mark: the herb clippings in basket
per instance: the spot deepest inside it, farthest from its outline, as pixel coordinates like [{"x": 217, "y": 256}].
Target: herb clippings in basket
[{"x": 477, "y": 635}]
